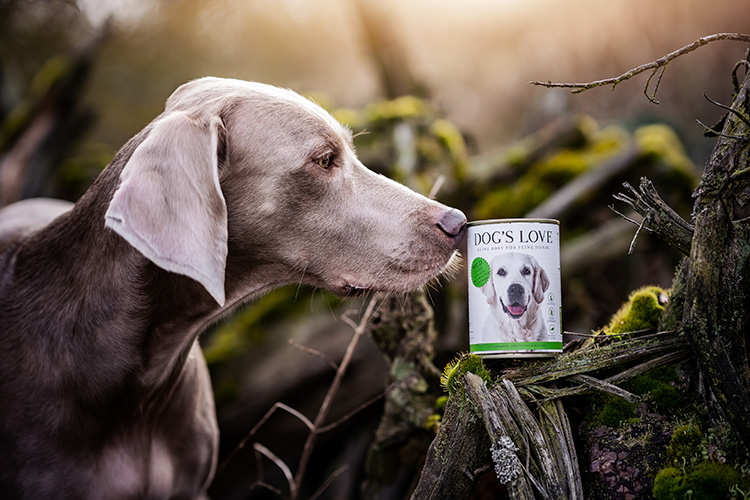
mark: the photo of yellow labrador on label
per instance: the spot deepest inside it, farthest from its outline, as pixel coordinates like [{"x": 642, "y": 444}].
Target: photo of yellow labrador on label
[{"x": 514, "y": 288}]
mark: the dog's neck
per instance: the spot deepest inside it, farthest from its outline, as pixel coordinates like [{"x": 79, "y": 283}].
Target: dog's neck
[
  {"x": 148, "y": 317},
  {"x": 134, "y": 321}
]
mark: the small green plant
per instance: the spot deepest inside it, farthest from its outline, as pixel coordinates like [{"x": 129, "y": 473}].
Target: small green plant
[
  {"x": 685, "y": 444},
  {"x": 462, "y": 364}
]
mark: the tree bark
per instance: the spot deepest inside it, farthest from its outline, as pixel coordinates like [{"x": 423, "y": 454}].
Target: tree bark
[
  {"x": 716, "y": 317},
  {"x": 714, "y": 278},
  {"x": 460, "y": 449}
]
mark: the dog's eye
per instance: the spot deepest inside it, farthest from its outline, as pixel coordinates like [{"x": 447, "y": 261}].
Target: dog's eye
[
  {"x": 525, "y": 271},
  {"x": 324, "y": 162},
  {"x": 502, "y": 272}
]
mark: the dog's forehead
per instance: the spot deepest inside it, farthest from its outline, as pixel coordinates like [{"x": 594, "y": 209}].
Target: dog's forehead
[
  {"x": 213, "y": 95},
  {"x": 511, "y": 259}
]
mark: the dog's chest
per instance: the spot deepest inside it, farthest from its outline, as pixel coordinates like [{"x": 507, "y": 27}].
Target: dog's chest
[{"x": 130, "y": 472}]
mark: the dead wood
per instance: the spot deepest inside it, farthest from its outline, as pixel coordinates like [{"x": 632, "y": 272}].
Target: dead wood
[
  {"x": 658, "y": 216},
  {"x": 533, "y": 451}
]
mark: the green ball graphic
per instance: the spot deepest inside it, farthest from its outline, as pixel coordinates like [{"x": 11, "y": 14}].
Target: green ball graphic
[{"x": 480, "y": 272}]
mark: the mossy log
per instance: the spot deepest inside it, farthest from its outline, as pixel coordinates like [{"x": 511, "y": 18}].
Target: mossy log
[
  {"x": 459, "y": 451},
  {"x": 523, "y": 426}
]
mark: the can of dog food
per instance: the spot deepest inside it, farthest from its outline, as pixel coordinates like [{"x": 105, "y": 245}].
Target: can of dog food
[{"x": 515, "y": 301}]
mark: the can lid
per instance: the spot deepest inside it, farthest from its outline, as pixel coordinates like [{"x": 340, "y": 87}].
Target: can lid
[{"x": 505, "y": 221}]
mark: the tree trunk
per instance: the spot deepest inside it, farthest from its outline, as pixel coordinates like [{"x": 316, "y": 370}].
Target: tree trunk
[
  {"x": 712, "y": 288},
  {"x": 716, "y": 317}
]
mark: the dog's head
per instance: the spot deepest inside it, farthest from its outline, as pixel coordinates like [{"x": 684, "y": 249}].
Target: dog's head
[
  {"x": 263, "y": 186},
  {"x": 517, "y": 282}
]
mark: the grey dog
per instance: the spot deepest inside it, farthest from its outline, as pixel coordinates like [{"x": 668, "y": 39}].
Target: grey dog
[{"x": 236, "y": 188}]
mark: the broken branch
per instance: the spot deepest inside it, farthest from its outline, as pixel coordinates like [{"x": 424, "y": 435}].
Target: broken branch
[{"x": 658, "y": 216}]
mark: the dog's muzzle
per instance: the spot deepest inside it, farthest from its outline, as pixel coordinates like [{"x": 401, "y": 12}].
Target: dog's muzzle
[
  {"x": 515, "y": 311},
  {"x": 516, "y": 299}
]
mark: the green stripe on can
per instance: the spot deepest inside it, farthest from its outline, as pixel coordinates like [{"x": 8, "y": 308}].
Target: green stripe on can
[{"x": 516, "y": 346}]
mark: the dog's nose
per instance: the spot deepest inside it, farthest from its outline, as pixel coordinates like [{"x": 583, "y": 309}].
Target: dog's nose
[
  {"x": 453, "y": 224},
  {"x": 515, "y": 294}
]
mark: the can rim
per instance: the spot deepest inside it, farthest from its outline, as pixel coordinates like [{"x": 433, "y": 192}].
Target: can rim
[{"x": 505, "y": 221}]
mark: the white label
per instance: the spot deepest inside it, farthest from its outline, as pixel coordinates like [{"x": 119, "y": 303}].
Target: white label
[{"x": 514, "y": 287}]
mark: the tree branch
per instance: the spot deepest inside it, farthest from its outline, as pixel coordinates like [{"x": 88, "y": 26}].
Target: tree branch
[
  {"x": 654, "y": 66},
  {"x": 658, "y": 216}
]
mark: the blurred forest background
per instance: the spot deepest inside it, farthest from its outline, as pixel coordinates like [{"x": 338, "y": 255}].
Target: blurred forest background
[{"x": 441, "y": 89}]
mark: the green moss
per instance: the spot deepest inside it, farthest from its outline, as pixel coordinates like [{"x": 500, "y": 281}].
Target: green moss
[
  {"x": 659, "y": 386},
  {"x": 613, "y": 410},
  {"x": 708, "y": 480},
  {"x": 642, "y": 311},
  {"x": 452, "y": 140},
  {"x": 400, "y": 108},
  {"x": 684, "y": 445},
  {"x": 655, "y": 387},
  {"x": 697, "y": 468},
  {"x": 670, "y": 483},
  {"x": 660, "y": 142},
  {"x": 432, "y": 423},
  {"x": 549, "y": 174},
  {"x": 461, "y": 365},
  {"x": 714, "y": 480}
]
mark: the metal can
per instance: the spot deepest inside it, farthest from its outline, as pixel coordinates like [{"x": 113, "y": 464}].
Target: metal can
[{"x": 515, "y": 304}]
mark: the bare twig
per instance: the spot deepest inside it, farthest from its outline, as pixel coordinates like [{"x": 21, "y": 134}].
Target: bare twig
[
  {"x": 314, "y": 352},
  {"x": 654, "y": 66},
  {"x": 272, "y": 489},
  {"x": 742, "y": 62},
  {"x": 249, "y": 435},
  {"x": 602, "y": 385},
  {"x": 739, "y": 115},
  {"x": 359, "y": 330},
  {"x": 328, "y": 481},
  {"x": 643, "y": 223},
  {"x": 713, "y": 133},
  {"x": 316, "y": 427},
  {"x": 436, "y": 187},
  {"x": 349, "y": 415},
  {"x": 259, "y": 448}
]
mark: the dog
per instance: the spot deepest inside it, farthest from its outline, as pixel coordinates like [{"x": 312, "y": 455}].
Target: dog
[
  {"x": 514, "y": 291},
  {"x": 235, "y": 189}
]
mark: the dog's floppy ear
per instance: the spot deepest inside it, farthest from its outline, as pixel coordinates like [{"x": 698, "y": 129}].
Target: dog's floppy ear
[
  {"x": 169, "y": 204},
  {"x": 541, "y": 283},
  {"x": 488, "y": 289}
]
